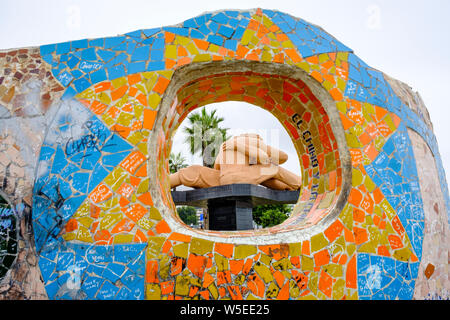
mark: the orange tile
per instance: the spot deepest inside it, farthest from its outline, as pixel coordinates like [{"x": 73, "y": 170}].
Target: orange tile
[
  {"x": 336, "y": 94},
  {"x": 102, "y": 237},
  {"x": 135, "y": 212},
  {"x": 133, "y": 78},
  {"x": 181, "y": 51},
  {"x": 313, "y": 59},
  {"x": 383, "y": 251},
  {"x": 292, "y": 53},
  {"x": 350, "y": 274},
  {"x": 279, "y": 278},
  {"x": 236, "y": 266},
  {"x": 162, "y": 227},
  {"x": 142, "y": 98},
  {"x": 348, "y": 235},
  {"x": 98, "y": 107},
  {"x": 118, "y": 93},
  {"x": 284, "y": 292},
  {"x": 135, "y": 181},
  {"x": 358, "y": 215},
  {"x": 225, "y": 249},
  {"x": 378, "y": 196},
  {"x": 71, "y": 225},
  {"x": 326, "y": 283},
  {"x": 305, "y": 248},
  {"x": 241, "y": 51},
  {"x": 151, "y": 272},
  {"x": 395, "y": 241},
  {"x": 321, "y": 258},
  {"x": 355, "y": 197},
  {"x": 360, "y": 235},
  {"x": 193, "y": 291},
  {"x": 169, "y": 37},
  {"x": 149, "y": 118},
  {"x": 201, "y": 44},
  {"x": 100, "y": 193},
  {"x": 334, "y": 230},
  {"x": 102, "y": 86},
  {"x": 124, "y": 225},
  {"x": 371, "y": 151},
  {"x": 207, "y": 280},
  {"x": 161, "y": 85},
  {"x": 132, "y": 161},
  {"x": 113, "y": 112},
  {"x": 146, "y": 199},
  {"x": 140, "y": 237},
  {"x": 380, "y": 112},
  {"x": 125, "y": 190},
  {"x": 124, "y": 132},
  {"x": 182, "y": 61},
  {"x": 142, "y": 171},
  {"x": 197, "y": 264},
  {"x": 179, "y": 237},
  {"x": 247, "y": 266},
  {"x": 167, "y": 287},
  {"x": 170, "y": 63},
  {"x": 397, "y": 225},
  {"x": 281, "y": 37},
  {"x": 295, "y": 261}
]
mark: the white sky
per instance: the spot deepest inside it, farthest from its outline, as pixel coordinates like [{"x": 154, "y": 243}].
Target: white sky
[{"x": 407, "y": 40}]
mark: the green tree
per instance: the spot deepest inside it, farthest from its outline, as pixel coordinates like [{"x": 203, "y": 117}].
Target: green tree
[
  {"x": 271, "y": 214},
  {"x": 176, "y": 162},
  {"x": 204, "y": 135},
  {"x": 187, "y": 214}
]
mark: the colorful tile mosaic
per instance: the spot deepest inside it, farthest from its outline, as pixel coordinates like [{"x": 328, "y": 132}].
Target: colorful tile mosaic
[{"x": 104, "y": 223}]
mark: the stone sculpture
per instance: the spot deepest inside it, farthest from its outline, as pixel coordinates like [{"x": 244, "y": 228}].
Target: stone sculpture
[{"x": 241, "y": 159}]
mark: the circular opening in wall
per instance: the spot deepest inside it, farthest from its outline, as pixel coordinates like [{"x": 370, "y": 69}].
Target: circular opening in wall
[
  {"x": 300, "y": 104},
  {"x": 197, "y": 142}
]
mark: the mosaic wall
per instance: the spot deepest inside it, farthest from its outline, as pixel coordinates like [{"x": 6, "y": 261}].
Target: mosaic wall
[{"x": 86, "y": 129}]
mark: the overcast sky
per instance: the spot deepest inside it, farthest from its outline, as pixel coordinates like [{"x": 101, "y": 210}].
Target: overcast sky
[{"x": 407, "y": 40}]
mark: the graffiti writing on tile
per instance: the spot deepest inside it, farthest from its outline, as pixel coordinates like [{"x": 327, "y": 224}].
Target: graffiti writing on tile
[
  {"x": 91, "y": 141},
  {"x": 8, "y": 239},
  {"x": 308, "y": 140}
]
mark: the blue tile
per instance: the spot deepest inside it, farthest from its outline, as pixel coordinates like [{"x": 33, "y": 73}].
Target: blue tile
[
  {"x": 98, "y": 76},
  {"x": 226, "y": 31},
  {"x": 151, "y": 32},
  {"x": 106, "y": 55},
  {"x": 63, "y": 47},
  {"x": 116, "y": 72},
  {"x": 80, "y": 181},
  {"x": 107, "y": 291},
  {"x": 179, "y": 31},
  {"x": 88, "y": 66},
  {"x": 91, "y": 285},
  {"x": 157, "y": 55},
  {"x": 112, "y": 42},
  {"x": 136, "y": 67},
  {"x": 80, "y": 44},
  {"x": 218, "y": 40},
  {"x": 47, "y": 49},
  {"x": 141, "y": 53},
  {"x": 82, "y": 84},
  {"x": 156, "y": 65}
]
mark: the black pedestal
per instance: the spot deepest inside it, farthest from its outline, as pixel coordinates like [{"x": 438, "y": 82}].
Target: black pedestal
[
  {"x": 230, "y": 206},
  {"x": 230, "y": 214}
]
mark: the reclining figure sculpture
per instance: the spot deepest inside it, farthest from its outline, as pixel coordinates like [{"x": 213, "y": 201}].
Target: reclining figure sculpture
[{"x": 241, "y": 159}]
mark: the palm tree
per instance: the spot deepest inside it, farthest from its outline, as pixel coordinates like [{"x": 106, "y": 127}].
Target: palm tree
[
  {"x": 204, "y": 135},
  {"x": 176, "y": 162}
]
